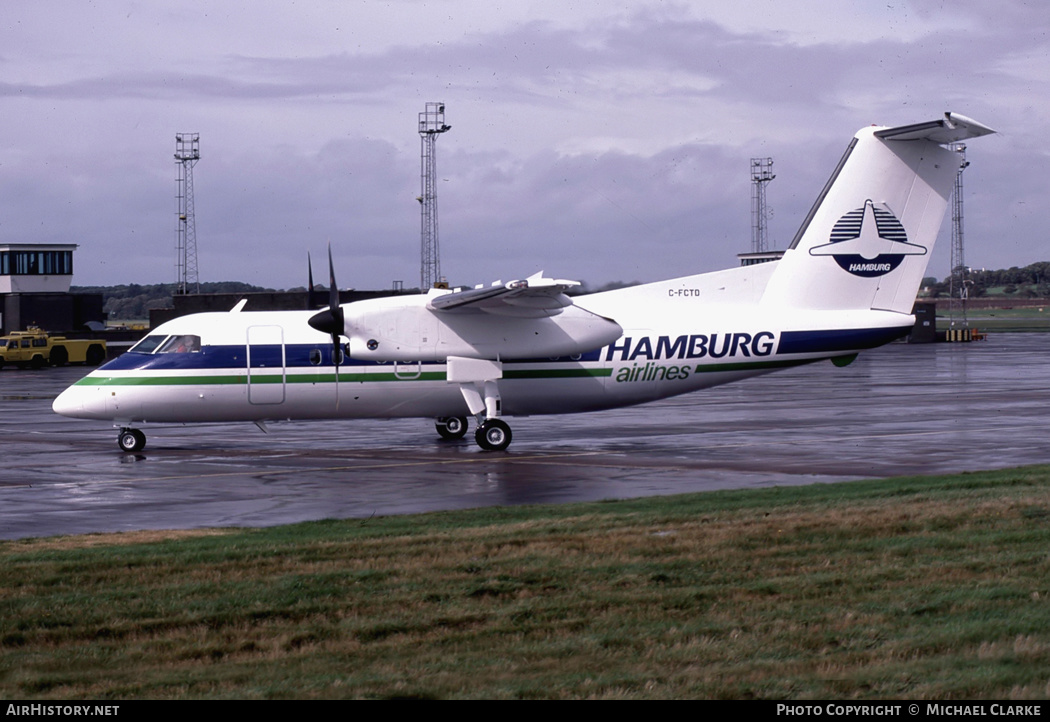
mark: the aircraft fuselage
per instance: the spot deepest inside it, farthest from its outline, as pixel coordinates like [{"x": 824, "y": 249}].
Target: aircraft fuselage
[{"x": 271, "y": 366}]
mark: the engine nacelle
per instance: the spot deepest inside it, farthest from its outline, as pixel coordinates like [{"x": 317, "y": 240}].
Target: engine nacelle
[{"x": 400, "y": 329}]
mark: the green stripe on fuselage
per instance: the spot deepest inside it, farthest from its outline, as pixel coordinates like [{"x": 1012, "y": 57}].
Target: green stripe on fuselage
[
  {"x": 358, "y": 377},
  {"x": 555, "y": 373},
  {"x": 753, "y": 366},
  {"x": 256, "y": 378}
]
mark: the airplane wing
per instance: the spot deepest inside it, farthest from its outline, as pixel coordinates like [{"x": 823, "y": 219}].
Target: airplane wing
[
  {"x": 533, "y": 297},
  {"x": 949, "y": 129}
]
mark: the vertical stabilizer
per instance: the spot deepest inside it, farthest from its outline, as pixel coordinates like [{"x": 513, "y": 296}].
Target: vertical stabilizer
[{"x": 867, "y": 240}]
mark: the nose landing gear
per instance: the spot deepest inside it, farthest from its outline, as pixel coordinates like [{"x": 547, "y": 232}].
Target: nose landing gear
[{"x": 131, "y": 440}]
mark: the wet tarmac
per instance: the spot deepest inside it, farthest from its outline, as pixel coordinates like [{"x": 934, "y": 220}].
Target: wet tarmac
[{"x": 902, "y": 409}]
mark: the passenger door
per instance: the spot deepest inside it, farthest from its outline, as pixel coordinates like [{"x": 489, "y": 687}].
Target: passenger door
[{"x": 266, "y": 369}]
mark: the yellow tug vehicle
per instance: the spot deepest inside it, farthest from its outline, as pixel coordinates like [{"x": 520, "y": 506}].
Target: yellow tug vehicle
[{"x": 35, "y": 348}]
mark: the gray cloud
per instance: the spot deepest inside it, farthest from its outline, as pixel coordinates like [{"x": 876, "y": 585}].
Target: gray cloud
[{"x": 604, "y": 148}]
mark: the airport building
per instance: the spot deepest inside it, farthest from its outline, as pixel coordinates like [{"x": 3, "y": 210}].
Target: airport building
[{"x": 34, "y": 290}]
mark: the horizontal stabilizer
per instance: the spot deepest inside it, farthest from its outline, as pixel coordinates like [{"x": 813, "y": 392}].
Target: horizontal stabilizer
[{"x": 950, "y": 129}]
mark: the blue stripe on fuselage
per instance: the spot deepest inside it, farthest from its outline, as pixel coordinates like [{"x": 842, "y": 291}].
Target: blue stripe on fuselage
[
  {"x": 853, "y": 339},
  {"x": 269, "y": 356},
  {"x": 299, "y": 355}
]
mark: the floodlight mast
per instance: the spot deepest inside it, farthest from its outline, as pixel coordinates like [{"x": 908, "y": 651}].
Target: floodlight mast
[
  {"x": 431, "y": 125},
  {"x": 959, "y": 281},
  {"x": 761, "y": 174},
  {"x": 187, "y": 153}
]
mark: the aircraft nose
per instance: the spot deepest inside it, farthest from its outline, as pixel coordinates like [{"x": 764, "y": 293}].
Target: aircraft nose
[
  {"x": 81, "y": 402},
  {"x": 84, "y": 400},
  {"x": 68, "y": 403}
]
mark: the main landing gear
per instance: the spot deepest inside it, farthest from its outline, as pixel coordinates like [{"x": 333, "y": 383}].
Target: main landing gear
[
  {"x": 478, "y": 381},
  {"x": 493, "y": 435},
  {"x": 490, "y": 435},
  {"x": 452, "y": 428},
  {"x": 131, "y": 440}
]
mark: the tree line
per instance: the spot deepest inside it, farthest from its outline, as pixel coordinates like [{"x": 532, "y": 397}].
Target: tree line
[
  {"x": 1032, "y": 281},
  {"x": 133, "y": 301}
]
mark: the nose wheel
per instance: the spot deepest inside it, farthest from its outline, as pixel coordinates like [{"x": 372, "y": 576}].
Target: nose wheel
[{"x": 131, "y": 440}]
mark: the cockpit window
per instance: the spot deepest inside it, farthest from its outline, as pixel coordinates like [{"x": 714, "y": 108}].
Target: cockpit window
[
  {"x": 147, "y": 345},
  {"x": 181, "y": 344},
  {"x": 184, "y": 343}
]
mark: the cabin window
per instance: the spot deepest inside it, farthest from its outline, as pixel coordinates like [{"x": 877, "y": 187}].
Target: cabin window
[
  {"x": 185, "y": 343},
  {"x": 315, "y": 356}
]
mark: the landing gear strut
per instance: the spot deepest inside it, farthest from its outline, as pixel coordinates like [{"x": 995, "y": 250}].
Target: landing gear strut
[
  {"x": 478, "y": 381},
  {"x": 131, "y": 440}
]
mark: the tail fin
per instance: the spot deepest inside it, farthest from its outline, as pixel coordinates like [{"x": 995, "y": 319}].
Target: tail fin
[{"x": 867, "y": 240}]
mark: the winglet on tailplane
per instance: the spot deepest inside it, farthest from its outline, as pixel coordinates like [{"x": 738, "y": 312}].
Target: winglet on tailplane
[{"x": 867, "y": 240}]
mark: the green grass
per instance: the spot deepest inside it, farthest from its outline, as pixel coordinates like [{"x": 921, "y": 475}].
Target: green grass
[
  {"x": 1005, "y": 319},
  {"x": 920, "y": 588}
]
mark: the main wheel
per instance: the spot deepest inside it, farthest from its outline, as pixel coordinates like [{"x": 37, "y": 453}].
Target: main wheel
[
  {"x": 451, "y": 427},
  {"x": 493, "y": 435},
  {"x": 59, "y": 356},
  {"x": 95, "y": 355},
  {"x": 131, "y": 440}
]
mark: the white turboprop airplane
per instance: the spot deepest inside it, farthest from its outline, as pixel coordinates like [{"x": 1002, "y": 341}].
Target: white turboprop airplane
[{"x": 847, "y": 283}]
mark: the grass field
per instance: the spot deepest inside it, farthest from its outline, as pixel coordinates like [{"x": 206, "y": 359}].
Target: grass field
[
  {"x": 1005, "y": 319},
  {"x": 1000, "y": 312},
  {"x": 906, "y": 588}
]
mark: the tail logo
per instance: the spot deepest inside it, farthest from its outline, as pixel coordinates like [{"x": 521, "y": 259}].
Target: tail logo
[{"x": 868, "y": 242}]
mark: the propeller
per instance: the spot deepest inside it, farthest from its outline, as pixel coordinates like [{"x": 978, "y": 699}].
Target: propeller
[
  {"x": 311, "y": 295},
  {"x": 330, "y": 320}
]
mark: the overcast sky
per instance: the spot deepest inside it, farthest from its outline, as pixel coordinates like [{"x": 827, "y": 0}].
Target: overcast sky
[{"x": 598, "y": 141}]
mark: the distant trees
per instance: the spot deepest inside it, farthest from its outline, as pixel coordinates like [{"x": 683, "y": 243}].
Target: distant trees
[
  {"x": 1032, "y": 281},
  {"x": 1036, "y": 274},
  {"x": 132, "y": 302}
]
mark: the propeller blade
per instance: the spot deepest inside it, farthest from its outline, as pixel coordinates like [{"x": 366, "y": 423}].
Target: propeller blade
[
  {"x": 331, "y": 320},
  {"x": 337, "y": 314},
  {"x": 311, "y": 297},
  {"x": 333, "y": 290}
]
